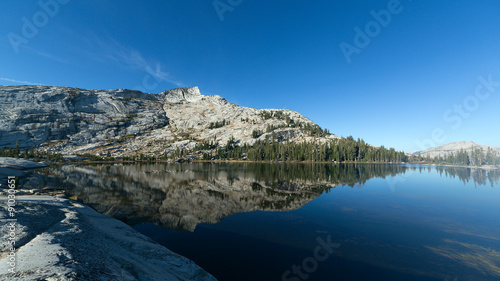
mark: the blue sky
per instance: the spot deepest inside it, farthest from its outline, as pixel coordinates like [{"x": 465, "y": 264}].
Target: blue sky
[{"x": 416, "y": 83}]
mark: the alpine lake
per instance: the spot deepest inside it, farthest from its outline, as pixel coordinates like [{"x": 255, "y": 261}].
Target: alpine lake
[{"x": 250, "y": 221}]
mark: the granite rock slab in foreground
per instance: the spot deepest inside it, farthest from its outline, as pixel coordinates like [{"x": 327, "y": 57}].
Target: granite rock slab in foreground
[{"x": 58, "y": 239}]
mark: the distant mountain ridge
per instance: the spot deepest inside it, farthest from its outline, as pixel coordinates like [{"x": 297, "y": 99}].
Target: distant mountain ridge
[
  {"x": 126, "y": 122},
  {"x": 454, "y": 147}
]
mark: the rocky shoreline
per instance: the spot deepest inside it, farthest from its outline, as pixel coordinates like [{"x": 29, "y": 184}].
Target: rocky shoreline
[{"x": 60, "y": 239}]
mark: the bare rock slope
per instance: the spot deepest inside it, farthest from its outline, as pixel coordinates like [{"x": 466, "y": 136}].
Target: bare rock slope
[
  {"x": 127, "y": 122},
  {"x": 454, "y": 147}
]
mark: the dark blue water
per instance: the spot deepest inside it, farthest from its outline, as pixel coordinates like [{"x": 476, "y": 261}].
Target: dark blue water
[{"x": 417, "y": 226}]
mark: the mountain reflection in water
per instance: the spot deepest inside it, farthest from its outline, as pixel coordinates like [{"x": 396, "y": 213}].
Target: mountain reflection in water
[{"x": 180, "y": 196}]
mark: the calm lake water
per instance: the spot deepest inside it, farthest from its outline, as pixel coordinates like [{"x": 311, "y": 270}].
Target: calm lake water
[{"x": 303, "y": 221}]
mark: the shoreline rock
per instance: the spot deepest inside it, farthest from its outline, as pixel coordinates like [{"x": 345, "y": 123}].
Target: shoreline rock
[
  {"x": 20, "y": 164},
  {"x": 59, "y": 239},
  {"x": 15, "y": 167}
]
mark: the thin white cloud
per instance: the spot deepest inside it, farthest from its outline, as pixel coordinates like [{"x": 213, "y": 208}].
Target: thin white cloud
[
  {"x": 46, "y": 55},
  {"x": 128, "y": 57},
  {"x": 21, "y": 82},
  {"x": 162, "y": 76}
]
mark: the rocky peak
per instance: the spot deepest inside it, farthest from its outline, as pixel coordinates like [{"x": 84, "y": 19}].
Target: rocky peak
[{"x": 191, "y": 94}]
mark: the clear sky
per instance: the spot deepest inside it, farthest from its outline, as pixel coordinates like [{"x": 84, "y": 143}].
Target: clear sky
[{"x": 403, "y": 74}]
